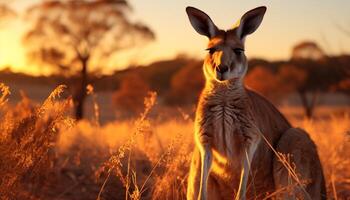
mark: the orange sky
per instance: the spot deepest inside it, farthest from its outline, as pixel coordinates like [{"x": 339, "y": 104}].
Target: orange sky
[{"x": 285, "y": 24}]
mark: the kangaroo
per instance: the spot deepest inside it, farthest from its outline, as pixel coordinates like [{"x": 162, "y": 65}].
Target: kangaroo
[{"x": 238, "y": 132}]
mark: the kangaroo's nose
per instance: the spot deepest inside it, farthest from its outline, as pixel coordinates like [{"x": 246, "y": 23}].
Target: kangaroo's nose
[{"x": 222, "y": 68}]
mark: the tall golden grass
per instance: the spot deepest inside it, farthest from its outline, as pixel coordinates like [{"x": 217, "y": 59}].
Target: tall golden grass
[{"x": 45, "y": 154}]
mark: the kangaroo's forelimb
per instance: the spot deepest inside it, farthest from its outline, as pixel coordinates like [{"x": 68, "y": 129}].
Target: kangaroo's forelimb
[{"x": 206, "y": 161}]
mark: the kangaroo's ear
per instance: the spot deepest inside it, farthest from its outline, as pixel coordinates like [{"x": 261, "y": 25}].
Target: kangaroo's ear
[
  {"x": 201, "y": 22},
  {"x": 250, "y": 21}
]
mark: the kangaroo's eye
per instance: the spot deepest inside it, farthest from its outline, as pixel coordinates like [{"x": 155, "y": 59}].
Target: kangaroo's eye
[
  {"x": 238, "y": 51},
  {"x": 211, "y": 50}
]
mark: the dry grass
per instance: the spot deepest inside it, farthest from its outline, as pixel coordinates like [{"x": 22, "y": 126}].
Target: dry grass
[{"x": 46, "y": 155}]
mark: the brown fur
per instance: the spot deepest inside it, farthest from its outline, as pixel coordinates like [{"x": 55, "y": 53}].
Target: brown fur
[
  {"x": 267, "y": 172},
  {"x": 237, "y": 130}
]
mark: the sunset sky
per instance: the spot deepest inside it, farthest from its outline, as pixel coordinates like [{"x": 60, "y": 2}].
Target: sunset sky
[{"x": 285, "y": 24}]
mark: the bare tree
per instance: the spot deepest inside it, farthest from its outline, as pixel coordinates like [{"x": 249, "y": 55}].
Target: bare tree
[
  {"x": 308, "y": 55},
  {"x": 73, "y": 35}
]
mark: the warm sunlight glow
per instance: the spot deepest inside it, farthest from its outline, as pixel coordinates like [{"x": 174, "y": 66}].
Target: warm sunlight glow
[
  {"x": 218, "y": 167},
  {"x": 219, "y": 158},
  {"x": 11, "y": 51},
  {"x": 282, "y": 28},
  {"x": 125, "y": 99}
]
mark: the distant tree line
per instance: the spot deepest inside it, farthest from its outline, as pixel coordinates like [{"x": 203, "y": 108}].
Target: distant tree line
[
  {"x": 307, "y": 73},
  {"x": 75, "y": 37}
]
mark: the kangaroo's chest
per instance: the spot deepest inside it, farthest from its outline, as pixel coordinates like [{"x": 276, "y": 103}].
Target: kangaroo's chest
[
  {"x": 224, "y": 122},
  {"x": 227, "y": 124},
  {"x": 227, "y": 142}
]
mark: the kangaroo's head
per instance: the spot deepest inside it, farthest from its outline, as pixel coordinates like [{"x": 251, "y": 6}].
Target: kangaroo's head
[{"x": 226, "y": 59}]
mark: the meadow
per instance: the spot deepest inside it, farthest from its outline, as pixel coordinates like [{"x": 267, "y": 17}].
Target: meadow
[{"x": 46, "y": 154}]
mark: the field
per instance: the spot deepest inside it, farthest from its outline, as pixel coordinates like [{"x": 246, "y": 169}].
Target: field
[{"x": 45, "y": 154}]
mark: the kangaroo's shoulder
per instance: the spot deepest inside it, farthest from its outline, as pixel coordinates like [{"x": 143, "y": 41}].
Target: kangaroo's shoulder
[{"x": 266, "y": 113}]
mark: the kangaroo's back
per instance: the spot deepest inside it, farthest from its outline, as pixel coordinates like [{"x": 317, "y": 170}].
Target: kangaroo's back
[
  {"x": 272, "y": 125},
  {"x": 269, "y": 119}
]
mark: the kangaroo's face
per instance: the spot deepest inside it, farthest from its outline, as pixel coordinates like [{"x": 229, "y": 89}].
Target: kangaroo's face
[{"x": 226, "y": 59}]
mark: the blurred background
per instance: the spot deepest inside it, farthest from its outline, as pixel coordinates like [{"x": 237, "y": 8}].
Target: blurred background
[
  {"x": 122, "y": 128},
  {"x": 299, "y": 57}
]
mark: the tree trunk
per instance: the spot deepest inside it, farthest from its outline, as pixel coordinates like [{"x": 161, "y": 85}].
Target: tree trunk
[
  {"x": 80, "y": 93},
  {"x": 309, "y": 106}
]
